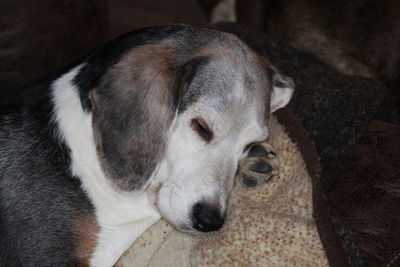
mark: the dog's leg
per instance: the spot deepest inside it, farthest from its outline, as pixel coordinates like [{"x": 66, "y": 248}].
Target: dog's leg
[{"x": 260, "y": 164}]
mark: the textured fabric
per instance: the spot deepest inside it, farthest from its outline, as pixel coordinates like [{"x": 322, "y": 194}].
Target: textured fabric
[
  {"x": 128, "y": 15},
  {"x": 367, "y": 199},
  {"x": 270, "y": 225},
  {"x": 38, "y": 36}
]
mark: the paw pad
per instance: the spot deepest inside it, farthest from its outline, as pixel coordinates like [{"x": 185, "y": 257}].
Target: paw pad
[{"x": 259, "y": 165}]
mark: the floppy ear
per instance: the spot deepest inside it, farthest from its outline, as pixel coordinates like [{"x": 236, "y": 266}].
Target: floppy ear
[
  {"x": 282, "y": 91},
  {"x": 133, "y": 109}
]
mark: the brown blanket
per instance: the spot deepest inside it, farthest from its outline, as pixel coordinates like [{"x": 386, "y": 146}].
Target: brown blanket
[{"x": 367, "y": 199}]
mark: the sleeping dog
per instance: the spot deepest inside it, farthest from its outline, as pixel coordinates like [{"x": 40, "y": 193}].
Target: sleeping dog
[{"x": 152, "y": 124}]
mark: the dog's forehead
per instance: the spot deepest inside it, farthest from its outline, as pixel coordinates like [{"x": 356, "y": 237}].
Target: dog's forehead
[
  {"x": 229, "y": 100},
  {"x": 233, "y": 81},
  {"x": 229, "y": 60}
]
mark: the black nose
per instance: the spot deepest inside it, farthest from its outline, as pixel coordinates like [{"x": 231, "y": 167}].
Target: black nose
[{"x": 206, "y": 218}]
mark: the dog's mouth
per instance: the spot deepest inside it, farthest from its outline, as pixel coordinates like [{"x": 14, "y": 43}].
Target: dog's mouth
[
  {"x": 188, "y": 229},
  {"x": 202, "y": 220},
  {"x": 203, "y": 216}
]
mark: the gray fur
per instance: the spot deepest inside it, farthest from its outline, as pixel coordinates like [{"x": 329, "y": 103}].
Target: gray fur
[{"x": 137, "y": 98}]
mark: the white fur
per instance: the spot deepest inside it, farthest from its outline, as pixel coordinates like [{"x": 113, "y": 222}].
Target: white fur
[
  {"x": 122, "y": 217},
  {"x": 199, "y": 172},
  {"x": 280, "y": 97}
]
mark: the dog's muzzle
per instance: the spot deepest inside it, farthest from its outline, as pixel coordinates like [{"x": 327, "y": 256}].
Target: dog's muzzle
[{"x": 206, "y": 218}]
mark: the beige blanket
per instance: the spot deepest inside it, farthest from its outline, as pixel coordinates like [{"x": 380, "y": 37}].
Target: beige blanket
[{"x": 270, "y": 225}]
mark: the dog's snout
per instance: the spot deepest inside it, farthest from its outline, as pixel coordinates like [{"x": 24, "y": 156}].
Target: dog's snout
[{"x": 207, "y": 218}]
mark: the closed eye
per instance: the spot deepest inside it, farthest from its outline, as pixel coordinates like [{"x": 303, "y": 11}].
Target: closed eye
[{"x": 202, "y": 129}]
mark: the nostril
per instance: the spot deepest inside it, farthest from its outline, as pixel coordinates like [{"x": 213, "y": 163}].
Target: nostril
[{"x": 206, "y": 218}]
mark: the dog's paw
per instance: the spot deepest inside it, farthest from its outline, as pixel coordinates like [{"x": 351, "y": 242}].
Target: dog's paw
[{"x": 260, "y": 164}]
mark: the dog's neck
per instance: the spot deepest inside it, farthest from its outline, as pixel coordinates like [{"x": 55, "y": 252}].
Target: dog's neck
[{"x": 122, "y": 216}]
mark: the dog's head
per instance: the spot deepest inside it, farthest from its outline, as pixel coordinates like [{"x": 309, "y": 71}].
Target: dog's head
[{"x": 174, "y": 114}]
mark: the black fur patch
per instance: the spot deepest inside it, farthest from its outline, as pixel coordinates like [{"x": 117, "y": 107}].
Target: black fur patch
[
  {"x": 109, "y": 54},
  {"x": 38, "y": 194},
  {"x": 183, "y": 97}
]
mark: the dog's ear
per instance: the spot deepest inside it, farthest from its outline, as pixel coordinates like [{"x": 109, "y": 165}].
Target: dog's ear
[
  {"x": 132, "y": 112},
  {"x": 282, "y": 90}
]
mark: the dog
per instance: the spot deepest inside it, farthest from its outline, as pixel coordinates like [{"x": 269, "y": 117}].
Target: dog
[{"x": 152, "y": 124}]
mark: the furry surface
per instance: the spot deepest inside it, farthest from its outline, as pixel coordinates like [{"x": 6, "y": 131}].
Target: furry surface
[{"x": 366, "y": 200}]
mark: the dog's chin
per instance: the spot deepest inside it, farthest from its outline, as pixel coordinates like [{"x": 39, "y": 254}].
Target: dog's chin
[
  {"x": 181, "y": 226},
  {"x": 186, "y": 229}
]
